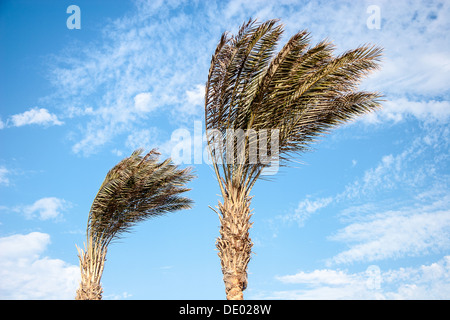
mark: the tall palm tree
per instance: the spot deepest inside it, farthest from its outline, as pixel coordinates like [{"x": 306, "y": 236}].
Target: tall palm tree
[
  {"x": 299, "y": 94},
  {"x": 137, "y": 188}
]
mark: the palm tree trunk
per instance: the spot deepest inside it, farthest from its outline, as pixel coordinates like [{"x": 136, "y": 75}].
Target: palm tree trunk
[
  {"x": 92, "y": 262},
  {"x": 234, "y": 245}
]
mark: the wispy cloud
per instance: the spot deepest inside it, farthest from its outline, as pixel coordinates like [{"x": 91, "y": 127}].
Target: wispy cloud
[
  {"x": 417, "y": 163},
  {"x": 150, "y": 60},
  {"x": 414, "y": 35},
  {"x": 4, "y": 180},
  {"x": 398, "y": 208},
  {"x": 410, "y": 231},
  {"x": 305, "y": 209},
  {"x": 145, "y": 62},
  {"x": 145, "y": 138}
]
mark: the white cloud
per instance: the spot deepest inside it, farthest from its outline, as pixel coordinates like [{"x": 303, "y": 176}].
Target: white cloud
[
  {"x": 35, "y": 116},
  {"x": 143, "y": 102},
  {"x": 17, "y": 246},
  {"x": 327, "y": 276},
  {"x": 423, "y": 282},
  {"x": 2, "y": 124},
  {"x": 121, "y": 296},
  {"x": 400, "y": 109},
  {"x": 327, "y": 284},
  {"x": 196, "y": 96},
  {"x": 46, "y": 208},
  {"x": 194, "y": 100},
  {"x": 26, "y": 274},
  {"x": 4, "y": 180}
]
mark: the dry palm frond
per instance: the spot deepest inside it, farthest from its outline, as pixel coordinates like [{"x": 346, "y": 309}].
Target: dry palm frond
[
  {"x": 303, "y": 91},
  {"x": 137, "y": 188},
  {"x": 299, "y": 94}
]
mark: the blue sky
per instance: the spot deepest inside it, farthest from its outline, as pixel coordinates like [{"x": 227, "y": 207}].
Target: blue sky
[{"x": 364, "y": 216}]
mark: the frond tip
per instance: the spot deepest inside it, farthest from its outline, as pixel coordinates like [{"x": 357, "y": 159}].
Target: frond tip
[{"x": 137, "y": 188}]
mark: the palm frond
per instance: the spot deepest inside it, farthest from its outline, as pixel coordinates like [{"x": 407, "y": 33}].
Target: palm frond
[
  {"x": 137, "y": 188},
  {"x": 303, "y": 91}
]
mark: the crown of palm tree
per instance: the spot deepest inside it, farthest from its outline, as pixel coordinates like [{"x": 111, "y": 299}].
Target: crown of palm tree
[
  {"x": 137, "y": 188},
  {"x": 302, "y": 91}
]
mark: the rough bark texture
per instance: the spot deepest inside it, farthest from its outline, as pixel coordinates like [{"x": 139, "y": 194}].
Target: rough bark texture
[
  {"x": 92, "y": 262},
  {"x": 234, "y": 245}
]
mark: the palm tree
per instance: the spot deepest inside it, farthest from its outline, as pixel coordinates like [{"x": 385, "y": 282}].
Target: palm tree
[
  {"x": 137, "y": 188},
  {"x": 299, "y": 94}
]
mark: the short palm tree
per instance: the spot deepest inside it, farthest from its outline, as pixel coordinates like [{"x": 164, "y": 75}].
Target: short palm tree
[
  {"x": 137, "y": 188},
  {"x": 299, "y": 93}
]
